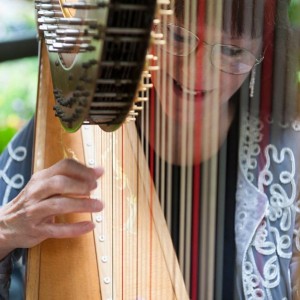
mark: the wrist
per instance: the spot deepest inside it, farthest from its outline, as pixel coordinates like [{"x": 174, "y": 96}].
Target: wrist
[
  {"x": 6, "y": 264},
  {"x": 6, "y": 238},
  {"x": 4, "y": 254},
  {"x": 5, "y": 249}
]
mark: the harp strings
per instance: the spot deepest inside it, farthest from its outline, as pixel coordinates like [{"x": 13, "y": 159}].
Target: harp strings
[
  {"x": 208, "y": 137},
  {"x": 176, "y": 117},
  {"x": 187, "y": 147},
  {"x": 178, "y": 127}
]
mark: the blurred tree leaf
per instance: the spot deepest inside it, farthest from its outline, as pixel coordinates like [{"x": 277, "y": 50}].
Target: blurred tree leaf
[
  {"x": 294, "y": 12},
  {"x": 18, "y": 88},
  {"x": 6, "y": 135}
]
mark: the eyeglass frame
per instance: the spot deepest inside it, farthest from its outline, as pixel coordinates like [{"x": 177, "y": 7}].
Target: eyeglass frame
[{"x": 191, "y": 34}]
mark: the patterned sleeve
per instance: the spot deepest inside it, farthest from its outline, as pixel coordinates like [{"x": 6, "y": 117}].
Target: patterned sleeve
[{"x": 15, "y": 172}]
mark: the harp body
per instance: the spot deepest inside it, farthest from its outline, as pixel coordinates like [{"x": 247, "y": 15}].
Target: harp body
[{"x": 129, "y": 255}]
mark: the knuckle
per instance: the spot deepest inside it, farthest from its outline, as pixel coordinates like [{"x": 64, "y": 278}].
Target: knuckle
[
  {"x": 53, "y": 206},
  {"x": 33, "y": 189},
  {"x": 57, "y": 182},
  {"x": 50, "y": 233},
  {"x": 66, "y": 164},
  {"x": 28, "y": 213},
  {"x": 86, "y": 188},
  {"x": 34, "y": 235},
  {"x": 34, "y": 177}
]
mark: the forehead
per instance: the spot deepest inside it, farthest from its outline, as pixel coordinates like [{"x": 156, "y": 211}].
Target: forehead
[
  {"x": 215, "y": 34},
  {"x": 235, "y": 17},
  {"x": 218, "y": 35}
]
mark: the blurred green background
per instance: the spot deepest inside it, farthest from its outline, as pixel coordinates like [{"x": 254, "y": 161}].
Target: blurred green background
[
  {"x": 18, "y": 78},
  {"x": 18, "y": 81}
]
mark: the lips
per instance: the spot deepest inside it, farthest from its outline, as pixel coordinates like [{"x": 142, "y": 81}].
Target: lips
[{"x": 196, "y": 93}]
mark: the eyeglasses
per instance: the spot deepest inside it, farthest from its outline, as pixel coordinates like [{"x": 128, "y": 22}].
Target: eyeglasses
[{"x": 227, "y": 58}]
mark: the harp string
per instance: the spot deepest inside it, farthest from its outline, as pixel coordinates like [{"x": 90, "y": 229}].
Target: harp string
[
  {"x": 189, "y": 187},
  {"x": 183, "y": 218},
  {"x": 156, "y": 127},
  {"x": 196, "y": 217},
  {"x": 170, "y": 129}
]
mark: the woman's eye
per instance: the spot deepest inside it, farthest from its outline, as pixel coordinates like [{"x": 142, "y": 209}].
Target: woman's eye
[
  {"x": 177, "y": 37},
  {"x": 233, "y": 52}
]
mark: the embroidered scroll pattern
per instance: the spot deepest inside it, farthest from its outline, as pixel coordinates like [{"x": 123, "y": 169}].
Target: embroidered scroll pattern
[
  {"x": 17, "y": 180},
  {"x": 249, "y": 148},
  {"x": 297, "y": 230},
  {"x": 270, "y": 248}
]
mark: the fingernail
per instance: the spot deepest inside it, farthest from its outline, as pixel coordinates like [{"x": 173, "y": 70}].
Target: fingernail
[
  {"x": 98, "y": 205},
  {"x": 98, "y": 171}
]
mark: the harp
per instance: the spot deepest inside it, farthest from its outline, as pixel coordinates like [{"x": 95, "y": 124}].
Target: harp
[
  {"x": 163, "y": 233},
  {"x": 80, "y": 41}
]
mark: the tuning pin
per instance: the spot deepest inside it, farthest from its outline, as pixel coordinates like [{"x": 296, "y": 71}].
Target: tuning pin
[
  {"x": 153, "y": 68},
  {"x": 131, "y": 116},
  {"x": 130, "y": 119},
  {"x": 146, "y": 74},
  {"x": 133, "y": 113},
  {"x": 141, "y": 99},
  {"x": 163, "y": 2},
  {"x": 162, "y": 10},
  {"x": 147, "y": 86},
  {"x": 166, "y": 12},
  {"x": 153, "y": 58},
  {"x": 137, "y": 108},
  {"x": 157, "y": 38},
  {"x": 156, "y": 21},
  {"x": 157, "y": 35}
]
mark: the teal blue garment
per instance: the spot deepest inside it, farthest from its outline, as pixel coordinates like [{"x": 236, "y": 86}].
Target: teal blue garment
[{"x": 15, "y": 172}]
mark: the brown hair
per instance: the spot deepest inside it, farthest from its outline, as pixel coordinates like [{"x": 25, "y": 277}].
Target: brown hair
[{"x": 240, "y": 17}]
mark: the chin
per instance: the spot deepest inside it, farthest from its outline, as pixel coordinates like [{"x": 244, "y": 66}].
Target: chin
[
  {"x": 205, "y": 140},
  {"x": 190, "y": 157}
]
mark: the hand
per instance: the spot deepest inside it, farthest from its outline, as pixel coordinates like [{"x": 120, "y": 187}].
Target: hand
[{"x": 63, "y": 188}]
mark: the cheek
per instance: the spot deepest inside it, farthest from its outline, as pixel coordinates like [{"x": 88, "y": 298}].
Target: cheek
[{"x": 229, "y": 84}]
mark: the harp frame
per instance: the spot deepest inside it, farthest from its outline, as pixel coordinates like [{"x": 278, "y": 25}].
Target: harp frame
[{"x": 52, "y": 267}]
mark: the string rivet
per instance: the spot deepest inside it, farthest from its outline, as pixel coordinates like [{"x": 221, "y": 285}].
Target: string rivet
[
  {"x": 104, "y": 259},
  {"x": 101, "y": 238},
  {"x": 106, "y": 280},
  {"x": 99, "y": 219}
]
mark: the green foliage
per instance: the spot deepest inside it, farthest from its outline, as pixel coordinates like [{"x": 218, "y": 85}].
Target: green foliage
[
  {"x": 6, "y": 133},
  {"x": 18, "y": 88},
  {"x": 294, "y": 12}
]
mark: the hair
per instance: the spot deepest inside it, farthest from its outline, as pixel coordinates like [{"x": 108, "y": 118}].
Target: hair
[
  {"x": 243, "y": 17},
  {"x": 240, "y": 17}
]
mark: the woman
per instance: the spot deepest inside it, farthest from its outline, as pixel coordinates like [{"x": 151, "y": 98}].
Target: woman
[
  {"x": 211, "y": 49},
  {"x": 196, "y": 109}
]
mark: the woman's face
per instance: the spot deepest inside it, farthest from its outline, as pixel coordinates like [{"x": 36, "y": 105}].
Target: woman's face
[{"x": 194, "y": 95}]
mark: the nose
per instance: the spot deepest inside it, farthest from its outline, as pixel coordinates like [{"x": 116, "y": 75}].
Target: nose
[{"x": 198, "y": 73}]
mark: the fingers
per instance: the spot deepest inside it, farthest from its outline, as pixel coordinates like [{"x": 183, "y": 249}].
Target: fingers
[
  {"x": 63, "y": 205},
  {"x": 74, "y": 169},
  {"x": 65, "y": 177},
  {"x": 59, "y": 184},
  {"x": 61, "y": 189},
  {"x": 60, "y": 230}
]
